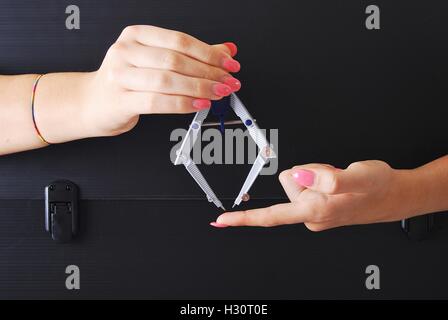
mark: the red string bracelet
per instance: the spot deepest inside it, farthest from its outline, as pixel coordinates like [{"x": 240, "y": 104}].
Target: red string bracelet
[{"x": 33, "y": 95}]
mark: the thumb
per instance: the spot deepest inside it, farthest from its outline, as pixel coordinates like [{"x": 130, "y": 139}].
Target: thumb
[{"x": 329, "y": 180}]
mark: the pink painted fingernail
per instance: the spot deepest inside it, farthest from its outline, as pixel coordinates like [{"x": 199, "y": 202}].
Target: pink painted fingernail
[
  {"x": 231, "y": 65},
  {"x": 233, "y": 83},
  {"x": 222, "y": 90},
  {"x": 232, "y": 47},
  {"x": 218, "y": 225},
  {"x": 202, "y": 104},
  {"x": 304, "y": 177}
]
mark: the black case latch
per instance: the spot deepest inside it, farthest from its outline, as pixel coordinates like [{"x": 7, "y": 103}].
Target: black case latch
[
  {"x": 61, "y": 210},
  {"x": 418, "y": 228}
]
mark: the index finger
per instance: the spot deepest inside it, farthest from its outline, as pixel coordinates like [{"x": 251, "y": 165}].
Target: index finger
[
  {"x": 183, "y": 43},
  {"x": 285, "y": 213}
]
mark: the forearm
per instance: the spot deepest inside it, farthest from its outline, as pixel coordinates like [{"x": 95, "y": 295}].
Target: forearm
[
  {"x": 58, "y": 101},
  {"x": 434, "y": 178},
  {"x": 16, "y": 126},
  {"x": 422, "y": 190}
]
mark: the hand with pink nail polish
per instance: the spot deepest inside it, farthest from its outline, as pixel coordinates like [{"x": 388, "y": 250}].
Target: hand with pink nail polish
[
  {"x": 147, "y": 70},
  {"x": 324, "y": 197}
]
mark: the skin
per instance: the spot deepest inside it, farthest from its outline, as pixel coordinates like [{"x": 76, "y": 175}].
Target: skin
[
  {"x": 153, "y": 70},
  {"x": 366, "y": 192},
  {"x": 147, "y": 70}
]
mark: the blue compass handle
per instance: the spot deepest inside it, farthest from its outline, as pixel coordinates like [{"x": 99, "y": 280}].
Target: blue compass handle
[{"x": 220, "y": 109}]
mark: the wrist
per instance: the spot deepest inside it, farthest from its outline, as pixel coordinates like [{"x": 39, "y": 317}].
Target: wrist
[
  {"x": 60, "y": 105},
  {"x": 409, "y": 193},
  {"x": 85, "y": 104}
]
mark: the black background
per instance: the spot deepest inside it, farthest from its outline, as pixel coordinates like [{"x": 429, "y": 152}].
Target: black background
[{"x": 337, "y": 92}]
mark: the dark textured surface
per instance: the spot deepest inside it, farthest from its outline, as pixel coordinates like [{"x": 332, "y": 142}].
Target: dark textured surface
[
  {"x": 161, "y": 249},
  {"x": 337, "y": 92}
]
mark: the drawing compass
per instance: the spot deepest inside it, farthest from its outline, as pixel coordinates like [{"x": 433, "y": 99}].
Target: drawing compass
[{"x": 266, "y": 151}]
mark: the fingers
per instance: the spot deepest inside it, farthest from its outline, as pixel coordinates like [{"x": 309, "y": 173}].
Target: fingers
[
  {"x": 325, "y": 179},
  {"x": 151, "y": 102},
  {"x": 142, "y": 56},
  {"x": 279, "y": 214},
  {"x": 169, "y": 82},
  {"x": 228, "y": 47},
  {"x": 291, "y": 187},
  {"x": 165, "y": 71},
  {"x": 183, "y": 43}
]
